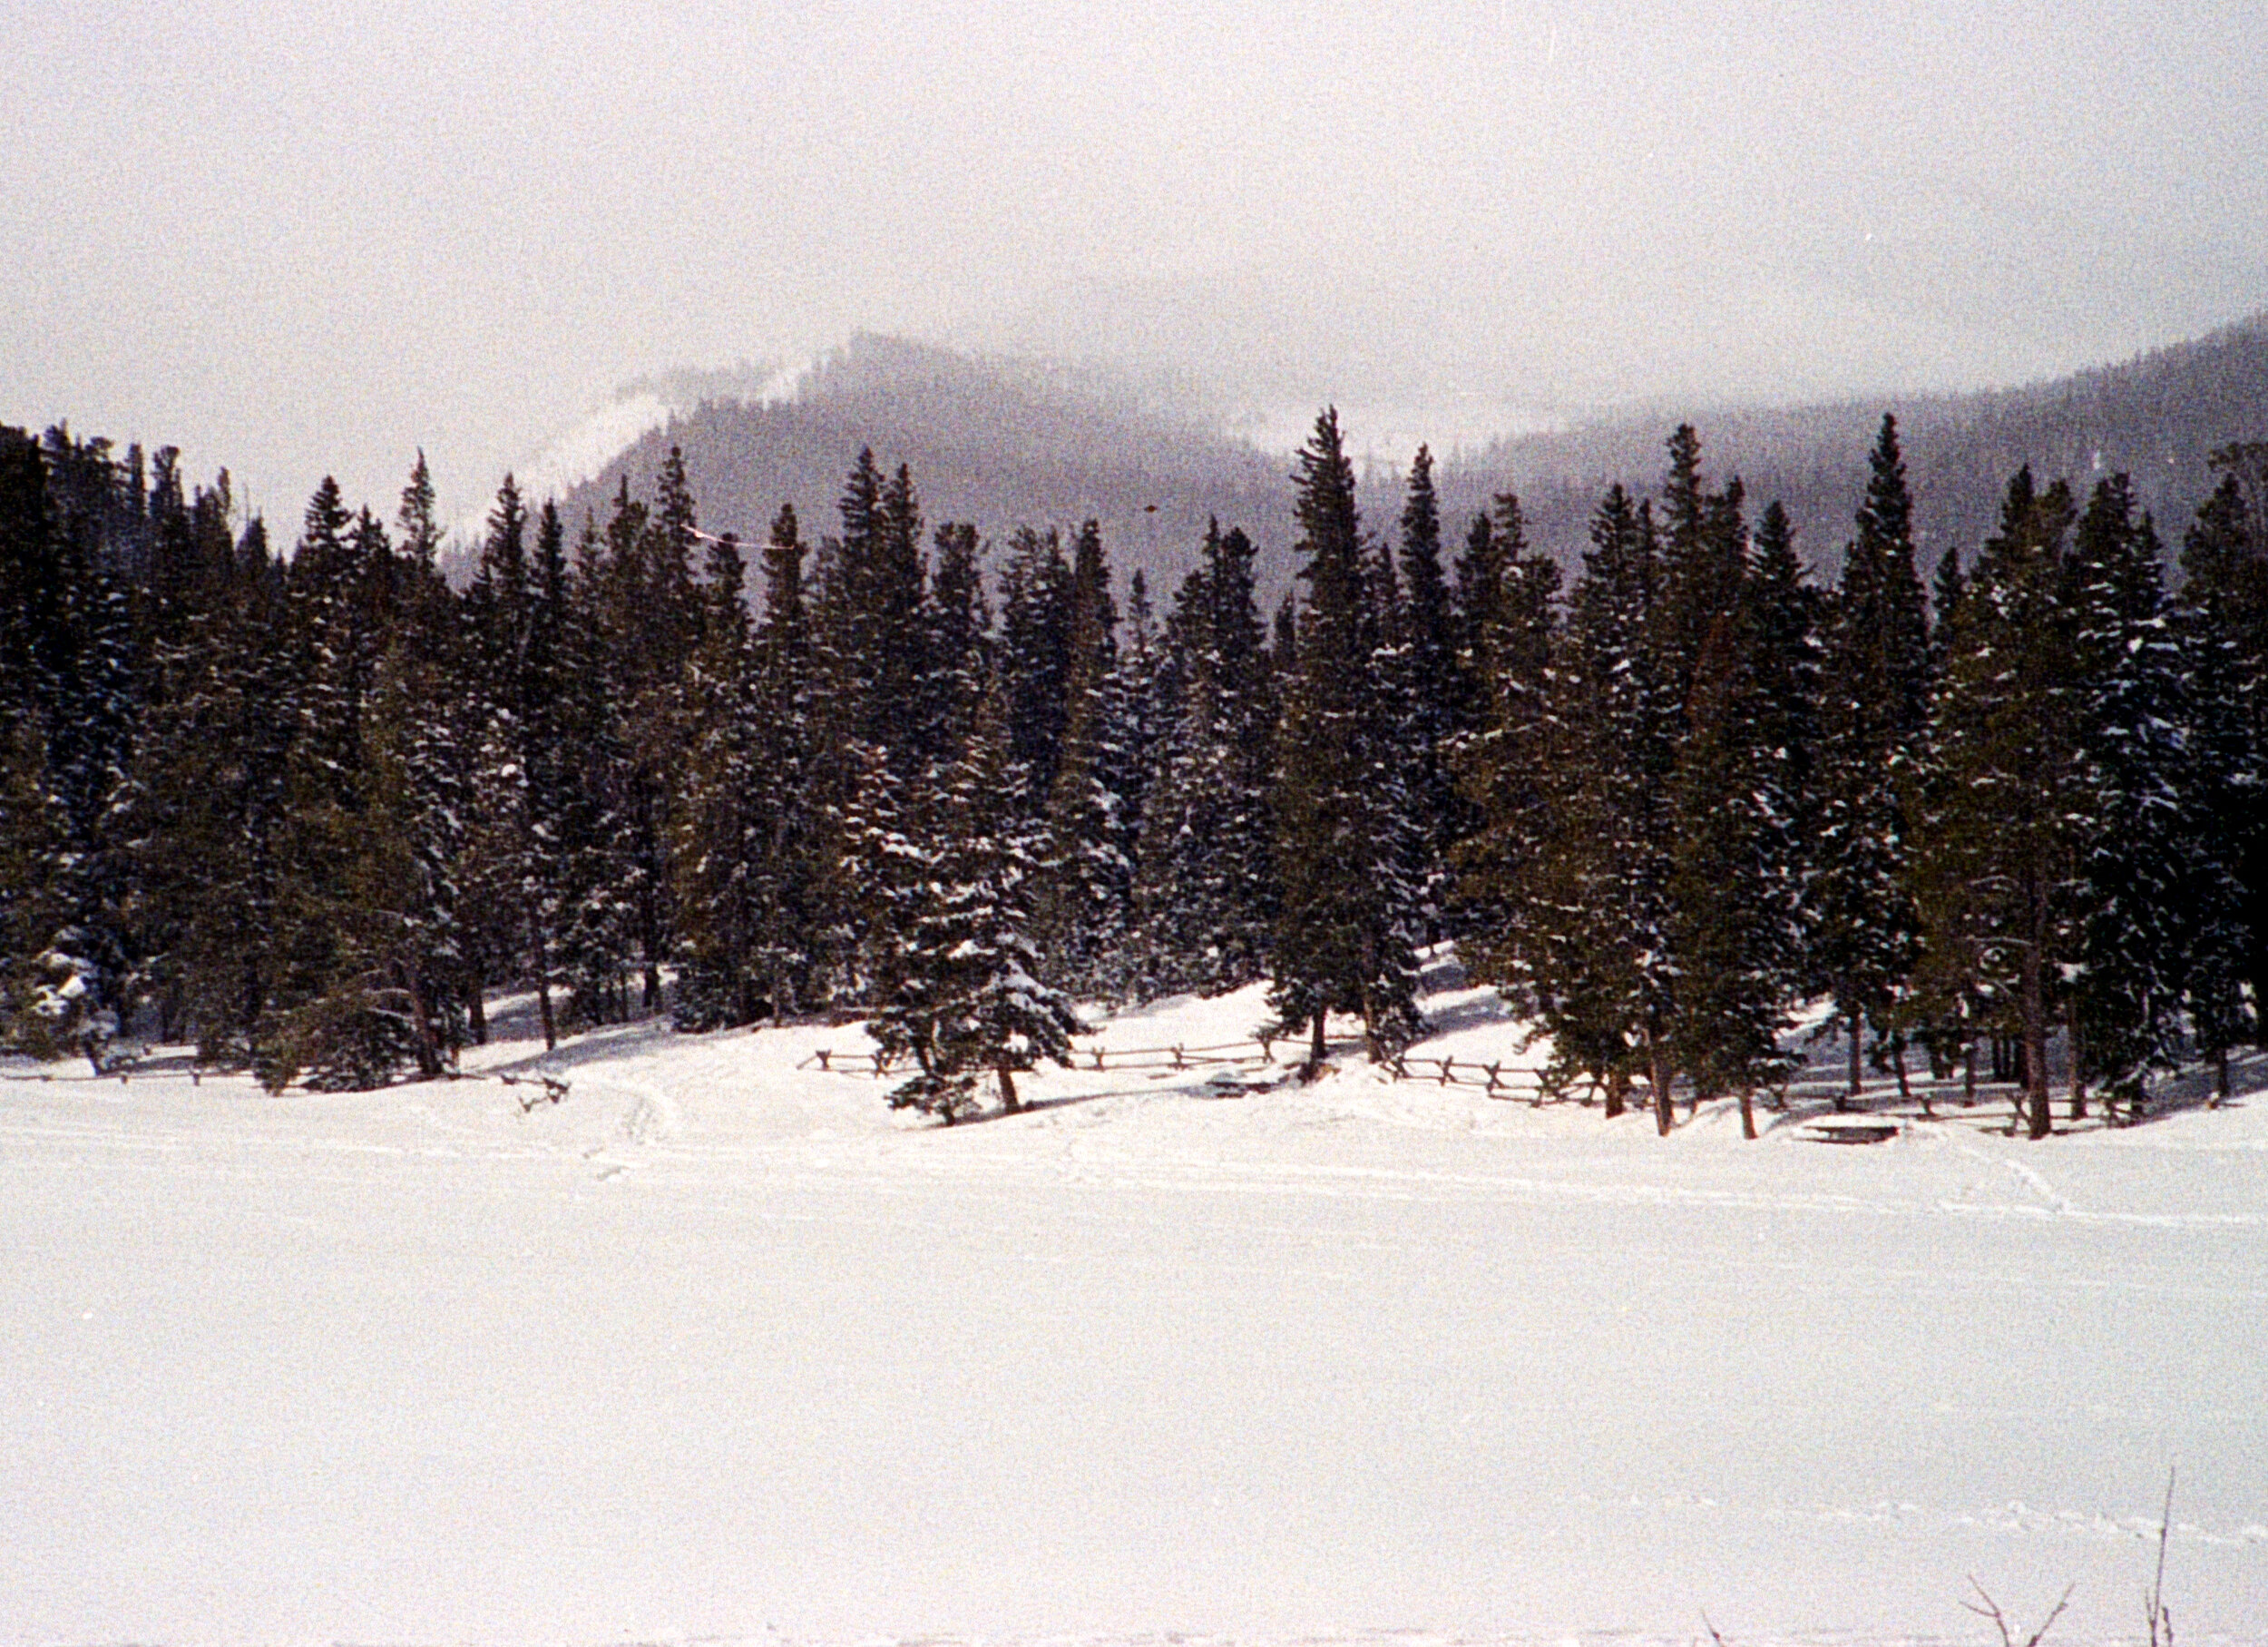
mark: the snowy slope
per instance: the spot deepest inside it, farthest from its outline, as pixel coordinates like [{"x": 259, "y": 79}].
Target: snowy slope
[{"x": 718, "y": 1348}]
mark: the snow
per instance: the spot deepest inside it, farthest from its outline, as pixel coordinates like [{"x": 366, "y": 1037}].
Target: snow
[{"x": 720, "y": 1347}]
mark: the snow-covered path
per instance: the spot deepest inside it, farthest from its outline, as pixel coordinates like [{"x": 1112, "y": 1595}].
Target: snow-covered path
[{"x": 718, "y": 1348}]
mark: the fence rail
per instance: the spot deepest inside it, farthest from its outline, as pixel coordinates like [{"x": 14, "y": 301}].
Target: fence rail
[{"x": 1492, "y": 1078}]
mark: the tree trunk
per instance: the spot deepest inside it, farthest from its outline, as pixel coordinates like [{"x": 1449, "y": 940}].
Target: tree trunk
[
  {"x": 1315, "y": 1052},
  {"x": 476, "y": 1012},
  {"x": 1617, "y": 1085},
  {"x": 1747, "y": 1115},
  {"x": 1898, "y": 1065},
  {"x": 1969, "y": 1076},
  {"x": 428, "y": 1049},
  {"x": 2220, "y": 1078},
  {"x": 2039, "y": 1123},
  {"x": 1008, "y": 1104},
  {"x": 2079, "y": 1070},
  {"x": 1855, "y": 1021},
  {"x": 1657, "y": 1073}
]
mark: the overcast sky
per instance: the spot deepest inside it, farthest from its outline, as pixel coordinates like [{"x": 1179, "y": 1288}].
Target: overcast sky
[{"x": 294, "y": 238}]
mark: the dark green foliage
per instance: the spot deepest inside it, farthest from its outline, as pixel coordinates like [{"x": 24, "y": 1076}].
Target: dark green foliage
[
  {"x": 307, "y": 811},
  {"x": 68, "y": 707},
  {"x": 2224, "y": 598},
  {"x": 1344, "y": 938},
  {"x": 1084, "y": 898},
  {"x": 965, "y": 998},
  {"x": 2003, "y": 823},
  {"x": 1429, "y": 667},
  {"x": 1207, "y": 892},
  {"x": 1873, "y": 708}
]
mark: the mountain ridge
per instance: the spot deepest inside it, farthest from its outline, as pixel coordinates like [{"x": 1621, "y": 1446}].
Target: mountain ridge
[{"x": 1006, "y": 441}]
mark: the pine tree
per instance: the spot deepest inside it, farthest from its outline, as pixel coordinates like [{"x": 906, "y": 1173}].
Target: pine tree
[
  {"x": 1574, "y": 872},
  {"x": 1085, "y": 892},
  {"x": 1736, "y": 877},
  {"x": 1207, "y": 892},
  {"x": 1431, "y": 670},
  {"x": 718, "y": 823},
  {"x": 1344, "y": 941},
  {"x": 2150, "y": 887},
  {"x": 967, "y": 999},
  {"x": 2224, "y": 560},
  {"x": 1034, "y": 657},
  {"x": 1509, "y": 745},
  {"x": 67, "y": 719},
  {"x": 1999, "y": 835},
  {"x": 1874, "y": 712}
]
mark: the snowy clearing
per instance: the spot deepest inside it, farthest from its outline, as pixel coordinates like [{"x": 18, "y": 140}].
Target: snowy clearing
[{"x": 719, "y": 1348}]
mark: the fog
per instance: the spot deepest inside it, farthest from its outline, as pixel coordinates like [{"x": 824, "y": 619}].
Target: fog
[{"x": 300, "y": 239}]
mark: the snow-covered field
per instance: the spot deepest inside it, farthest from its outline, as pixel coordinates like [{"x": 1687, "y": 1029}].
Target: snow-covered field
[{"x": 718, "y": 1348}]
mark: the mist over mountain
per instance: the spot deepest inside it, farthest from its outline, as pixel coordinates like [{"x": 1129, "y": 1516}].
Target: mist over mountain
[
  {"x": 1003, "y": 442},
  {"x": 2158, "y": 417},
  {"x": 1000, "y": 443}
]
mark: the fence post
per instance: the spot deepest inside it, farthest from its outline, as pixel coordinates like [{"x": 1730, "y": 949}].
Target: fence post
[
  {"x": 1447, "y": 1065},
  {"x": 1492, "y": 1069},
  {"x": 1400, "y": 1067},
  {"x": 1097, "y": 1058},
  {"x": 1267, "y": 1049},
  {"x": 1178, "y": 1063},
  {"x": 824, "y": 1054}
]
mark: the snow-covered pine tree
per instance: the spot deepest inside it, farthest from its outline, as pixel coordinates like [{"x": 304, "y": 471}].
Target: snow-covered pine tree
[
  {"x": 958, "y": 625},
  {"x": 1133, "y": 711},
  {"x": 2222, "y": 621},
  {"x": 1083, "y": 898},
  {"x": 1586, "y": 949},
  {"x": 2002, "y": 826},
  {"x": 718, "y": 828},
  {"x": 1873, "y": 713},
  {"x": 1345, "y": 938},
  {"x": 871, "y": 650},
  {"x": 1207, "y": 892},
  {"x": 501, "y": 825},
  {"x": 786, "y": 879},
  {"x": 2147, "y": 888},
  {"x": 1032, "y": 655},
  {"x": 1736, "y": 879},
  {"x": 1430, "y": 666},
  {"x": 1509, "y": 743},
  {"x": 596, "y": 920},
  {"x": 68, "y": 711},
  {"x": 966, "y": 999},
  {"x": 393, "y": 936}
]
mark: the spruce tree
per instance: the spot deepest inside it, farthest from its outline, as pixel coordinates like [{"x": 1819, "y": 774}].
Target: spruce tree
[
  {"x": 966, "y": 999},
  {"x": 1084, "y": 894},
  {"x": 68, "y": 712},
  {"x": 1207, "y": 892},
  {"x": 1345, "y": 938},
  {"x": 2003, "y": 826},
  {"x": 2152, "y": 895},
  {"x": 1431, "y": 667},
  {"x": 1874, "y": 712},
  {"x": 2225, "y": 597}
]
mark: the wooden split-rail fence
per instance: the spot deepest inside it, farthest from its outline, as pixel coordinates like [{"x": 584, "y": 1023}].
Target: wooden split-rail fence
[{"x": 1494, "y": 1079}]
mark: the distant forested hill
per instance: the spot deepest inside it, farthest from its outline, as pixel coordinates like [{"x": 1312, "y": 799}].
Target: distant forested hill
[
  {"x": 1007, "y": 442},
  {"x": 2158, "y": 417},
  {"x": 998, "y": 444}
]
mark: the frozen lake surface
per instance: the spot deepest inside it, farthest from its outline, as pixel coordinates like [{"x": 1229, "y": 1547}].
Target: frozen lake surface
[{"x": 719, "y": 1348}]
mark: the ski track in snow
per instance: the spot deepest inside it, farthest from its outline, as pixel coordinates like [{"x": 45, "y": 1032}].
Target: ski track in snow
[{"x": 718, "y": 1350}]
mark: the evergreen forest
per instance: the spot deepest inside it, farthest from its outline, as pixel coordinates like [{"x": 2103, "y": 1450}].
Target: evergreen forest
[{"x": 307, "y": 806}]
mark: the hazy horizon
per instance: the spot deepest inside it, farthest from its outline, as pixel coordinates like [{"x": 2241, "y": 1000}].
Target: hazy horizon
[{"x": 305, "y": 240}]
